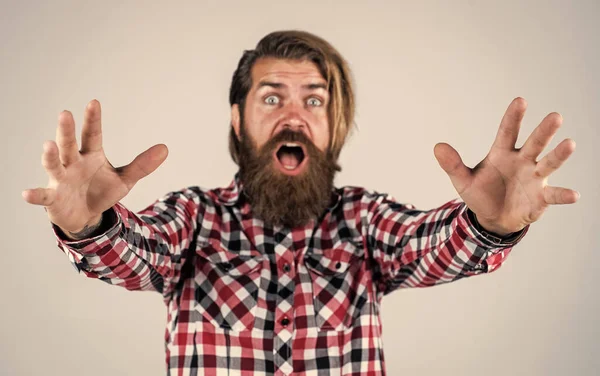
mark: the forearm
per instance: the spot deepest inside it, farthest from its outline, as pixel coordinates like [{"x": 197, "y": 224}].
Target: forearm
[
  {"x": 138, "y": 251},
  {"x": 416, "y": 248}
]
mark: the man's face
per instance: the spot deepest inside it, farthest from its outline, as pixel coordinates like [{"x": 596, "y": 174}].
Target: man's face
[
  {"x": 285, "y": 165},
  {"x": 286, "y": 94}
]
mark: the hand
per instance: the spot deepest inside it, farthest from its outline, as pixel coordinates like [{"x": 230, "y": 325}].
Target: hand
[
  {"x": 508, "y": 189},
  {"x": 82, "y": 183}
]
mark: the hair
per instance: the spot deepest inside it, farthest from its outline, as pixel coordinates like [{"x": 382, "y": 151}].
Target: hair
[{"x": 300, "y": 45}]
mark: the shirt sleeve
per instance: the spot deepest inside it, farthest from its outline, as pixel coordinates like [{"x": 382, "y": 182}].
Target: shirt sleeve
[
  {"x": 141, "y": 251},
  {"x": 422, "y": 248}
]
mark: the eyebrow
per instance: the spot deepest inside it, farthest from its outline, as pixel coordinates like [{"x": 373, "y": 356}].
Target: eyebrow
[{"x": 279, "y": 85}]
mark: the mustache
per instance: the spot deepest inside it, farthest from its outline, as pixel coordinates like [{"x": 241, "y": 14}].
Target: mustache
[
  {"x": 264, "y": 153},
  {"x": 288, "y": 135}
]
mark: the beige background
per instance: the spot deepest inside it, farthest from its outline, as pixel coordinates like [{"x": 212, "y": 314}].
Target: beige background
[{"x": 425, "y": 73}]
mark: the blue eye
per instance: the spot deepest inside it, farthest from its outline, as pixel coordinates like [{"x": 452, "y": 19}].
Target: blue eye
[
  {"x": 314, "y": 102},
  {"x": 272, "y": 99}
]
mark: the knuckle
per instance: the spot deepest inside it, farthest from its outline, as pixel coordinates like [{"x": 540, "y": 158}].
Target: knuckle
[
  {"x": 538, "y": 142},
  {"x": 68, "y": 143},
  {"x": 553, "y": 163}
]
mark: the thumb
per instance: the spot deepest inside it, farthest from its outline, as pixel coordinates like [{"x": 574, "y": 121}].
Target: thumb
[
  {"x": 144, "y": 164},
  {"x": 450, "y": 161}
]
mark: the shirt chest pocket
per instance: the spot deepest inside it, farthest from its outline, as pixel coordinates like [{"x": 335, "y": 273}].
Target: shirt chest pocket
[
  {"x": 339, "y": 288},
  {"x": 227, "y": 285}
]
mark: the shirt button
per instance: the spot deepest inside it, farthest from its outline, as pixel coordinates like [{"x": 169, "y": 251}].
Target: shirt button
[
  {"x": 286, "y": 268},
  {"x": 285, "y": 321}
]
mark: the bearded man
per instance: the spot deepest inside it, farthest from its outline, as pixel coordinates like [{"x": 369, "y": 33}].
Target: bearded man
[{"x": 281, "y": 272}]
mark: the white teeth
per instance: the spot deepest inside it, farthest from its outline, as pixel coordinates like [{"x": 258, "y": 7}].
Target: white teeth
[
  {"x": 290, "y": 144},
  {"x": 288, "y": 167}
]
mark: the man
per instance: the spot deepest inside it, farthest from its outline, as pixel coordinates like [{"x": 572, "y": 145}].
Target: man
[{"x": 280, "y": 272}]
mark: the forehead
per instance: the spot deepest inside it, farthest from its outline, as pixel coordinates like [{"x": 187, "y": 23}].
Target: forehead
[{"x": 289, "y": 71}]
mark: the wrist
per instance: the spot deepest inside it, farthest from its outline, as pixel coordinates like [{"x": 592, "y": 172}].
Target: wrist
[
  {"x": 509, "y": 238},
  {"x": 490, "y": 228},
  {"x": 88, "y": 230},
  {"x": 493, "y": 229}
]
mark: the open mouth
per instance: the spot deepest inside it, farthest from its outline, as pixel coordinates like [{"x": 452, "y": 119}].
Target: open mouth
[{"x": 291, "y": 158}]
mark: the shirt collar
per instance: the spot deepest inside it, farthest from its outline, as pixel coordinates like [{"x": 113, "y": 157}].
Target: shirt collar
[{"x": 231, "y": 194}]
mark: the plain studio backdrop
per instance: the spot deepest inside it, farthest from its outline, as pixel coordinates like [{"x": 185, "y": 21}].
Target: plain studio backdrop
[{"x": 425, "y": 73}]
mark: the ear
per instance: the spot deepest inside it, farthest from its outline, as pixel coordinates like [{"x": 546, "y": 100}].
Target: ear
[{"x": 235, "y": 119}]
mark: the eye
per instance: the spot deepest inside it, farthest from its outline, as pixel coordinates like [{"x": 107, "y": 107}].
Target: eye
[
  {"x": 314, "y": 102},
  {"x": 272, "y": 99}
]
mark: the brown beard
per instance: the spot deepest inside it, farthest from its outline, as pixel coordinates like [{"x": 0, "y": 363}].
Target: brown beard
[{"x": 279, "y": 199}]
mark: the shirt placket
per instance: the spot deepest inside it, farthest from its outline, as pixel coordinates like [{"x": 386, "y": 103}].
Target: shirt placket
[{"x": 284, "y": 312}]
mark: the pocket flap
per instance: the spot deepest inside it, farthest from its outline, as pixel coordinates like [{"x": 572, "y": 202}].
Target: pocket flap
[
  {"x": 337, "y": 260},
  {"x": 232, "y": 263}
]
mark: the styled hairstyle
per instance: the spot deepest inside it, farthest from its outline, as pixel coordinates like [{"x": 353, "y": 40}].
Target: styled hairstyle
[{"x": 300, "y": 45}]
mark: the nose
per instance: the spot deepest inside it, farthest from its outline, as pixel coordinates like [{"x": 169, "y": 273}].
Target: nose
[
  {"x": 293, "y": 119},
  {"x": 295, "y": 124}
]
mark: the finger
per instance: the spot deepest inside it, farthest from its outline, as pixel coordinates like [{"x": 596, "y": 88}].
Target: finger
[
  {"x": 39, "y": 196},
  {"x": 541, "y": 136},
  {"x": 450, "y": 161},
  {"x": 508, "y": 132},
  {"x": 65, "y": 138},
  {"x": 51, "y": 161},
  {"x": 91, "y": 133},
  {"x": 555, "y": 158},
  {"x": 559, "y": 196},
  {"x": 143, "y": 165}
]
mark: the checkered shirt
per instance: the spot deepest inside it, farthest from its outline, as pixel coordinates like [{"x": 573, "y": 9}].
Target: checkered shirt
[{"x": 244, "y": 298}]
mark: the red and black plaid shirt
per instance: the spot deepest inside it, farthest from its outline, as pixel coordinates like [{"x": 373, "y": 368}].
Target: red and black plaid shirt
[{"x": 248, "y": 299}]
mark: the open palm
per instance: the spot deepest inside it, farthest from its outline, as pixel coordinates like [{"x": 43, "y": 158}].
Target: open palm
[
  {"x": 509, "y": 189},
  {"x": 82, "y": 182}
]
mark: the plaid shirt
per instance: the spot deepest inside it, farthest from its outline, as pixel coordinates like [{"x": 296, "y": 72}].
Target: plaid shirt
[{"x": 244, "y": 298}]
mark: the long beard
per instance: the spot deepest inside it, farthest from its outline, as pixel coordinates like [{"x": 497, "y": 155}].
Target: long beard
[{"x": 279, "y": 199}]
